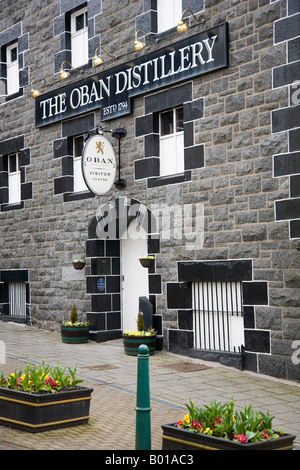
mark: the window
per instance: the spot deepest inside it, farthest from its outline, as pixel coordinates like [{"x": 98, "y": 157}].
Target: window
[
  {"x": 12, "y": 64},
  {"x": 14, "y": 179},
  {"x": 171, "y": 142},
  {"x": 79, "y": 37},
  {"x": 79, "y": 183},
  {"x": 17, "y": 299},
  {"x": 218, "y": 316},
  {"x": 168, "y": 14}
]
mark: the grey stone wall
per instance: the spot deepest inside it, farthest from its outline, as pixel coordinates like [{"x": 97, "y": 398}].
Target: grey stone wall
[{"x": 236, "y": 186}]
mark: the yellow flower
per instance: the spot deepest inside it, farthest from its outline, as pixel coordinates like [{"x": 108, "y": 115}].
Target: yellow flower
[
  {"x": 233, "y": 419},
  {"x": 187, "y": 419},
  {"x": 208, "y": 431}
]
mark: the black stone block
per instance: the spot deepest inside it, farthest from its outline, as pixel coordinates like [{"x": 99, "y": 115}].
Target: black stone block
[
  {"x": 78, "y": 126},
  {"x": 255, "y": 293},
  {"x": 294, "y": 140},
  {"x": 295, "y": 186},
  {"x": 233, "y": 270},
  {"x": 249, "y": 319},
  {"x": 180, "y": 341},
  {"x": 63, "y": 184},
  {"x": 287, "y": 164},
  {"x": 96, "y": 320},
  {"x": 144, "y": 125},
  {"x": 295, "y": 228},
  {"x": 285, "y": 118},
  {"x": 287, "y": 209},
  {"x": 11, "y": 145},
  {"x": 154, "y": 284},
  {"x": 179, "y": 295},
  {"x": 286, "y": 74},
  {"x": 151, "y": 145},
  {"x": 14, "y": 276},
  {"x": 62, "y": 147},
  {"x": 94, "y": 248},
  {"x": 287, "y": 28},
  {"x": 26, "y": 191},
  {"x": 194, "y": 157},
  {"x": 113, "y": 284},
  {"x": 185, "y": 319},
  {"x": 112, "y": 248},
  {"x": 147, "y": 167},
  {"x": 113, "y": 320},
  {"x": 257, "y": 341},
  {"x": 101, "y": 303},
  {"x": 193, "y": 110},
  {"x": 169, "y": 98}
]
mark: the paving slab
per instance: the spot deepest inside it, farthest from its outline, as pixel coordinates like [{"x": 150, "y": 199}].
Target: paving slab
[{"x": 174, "y": 379}]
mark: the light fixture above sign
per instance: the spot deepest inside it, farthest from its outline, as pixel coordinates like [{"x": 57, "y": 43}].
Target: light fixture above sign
[
  {"x": 99, "y": 164},
  {"x": 97, "y": 60},
  {"x": 64, "y": 73},
  {"x": 34, "y": 92},
  {"x": 138, "y": 44},
  {"x": 182, "y": 26}
]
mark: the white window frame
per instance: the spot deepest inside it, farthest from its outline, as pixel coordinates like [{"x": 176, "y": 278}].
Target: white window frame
[
  {"x": 79, "y": 40},
  {"x": 12, "y": 67},
  {"x": 79, "y": 183},
  {"x": 171, "y": 148},
  {"x": 14, "y": 180},
  {"x": 168, "y": 14}
]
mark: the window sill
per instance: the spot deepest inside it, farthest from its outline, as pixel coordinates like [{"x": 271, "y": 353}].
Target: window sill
[
  {"x": 12, "y": 206},
  {"x": 68, "y": 197},
  {"x": 170, "y": 179}
]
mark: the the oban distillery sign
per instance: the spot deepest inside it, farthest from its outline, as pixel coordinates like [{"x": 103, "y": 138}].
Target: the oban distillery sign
[{"x": 113, "y": 89}]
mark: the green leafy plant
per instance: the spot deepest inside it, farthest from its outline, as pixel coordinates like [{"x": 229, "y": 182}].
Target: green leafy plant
[
  {"x": 140, "y": 328},
  {"x": 73, "y": 320},
  {"x": 224, "y": 422},
  {"x": 140, "y": 322},
  {"x": 40, "y": 379},
  {"x": 73, "y": 315}
]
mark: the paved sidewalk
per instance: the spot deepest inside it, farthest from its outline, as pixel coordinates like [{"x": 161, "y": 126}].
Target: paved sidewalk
[{"x": 173, "y": 381}]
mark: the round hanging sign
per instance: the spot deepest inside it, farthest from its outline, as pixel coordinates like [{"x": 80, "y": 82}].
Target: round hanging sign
[{"x": 99, "y": 164}]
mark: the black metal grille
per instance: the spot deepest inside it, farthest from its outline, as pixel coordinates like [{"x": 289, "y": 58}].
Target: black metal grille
[{"x": 218, "y": 316}]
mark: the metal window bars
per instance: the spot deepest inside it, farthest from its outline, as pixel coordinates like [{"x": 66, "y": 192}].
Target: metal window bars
[{"x": 218, "y": 316}]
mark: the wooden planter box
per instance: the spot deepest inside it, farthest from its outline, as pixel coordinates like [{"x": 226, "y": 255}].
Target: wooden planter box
[
  {"x": 35, "y": 412},
  {"x": 132, "y": 344},
  {"x": 74, "y": 334},
  {"x": 181, "y": 439}
]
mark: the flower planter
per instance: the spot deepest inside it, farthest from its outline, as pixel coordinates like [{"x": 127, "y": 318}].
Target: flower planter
[
  {"x": 74, "y": 334},
  {"x": 174, "y": 438},
  {"x": 35, "y": 412},
  {"x": 78, "y": 264},
  {"x": 132, "y": 344},
  {"x": 147, "y": 262}
]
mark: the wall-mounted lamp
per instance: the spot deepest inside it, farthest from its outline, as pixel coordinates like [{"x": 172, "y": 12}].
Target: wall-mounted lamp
[
  {"x": 35, "y": 93},
  {"x": 98, "y": 60},
  {"x": 63, "y": 73},
  {"x": 139, "y": 45},
  {"x": 182, "y": 26}
]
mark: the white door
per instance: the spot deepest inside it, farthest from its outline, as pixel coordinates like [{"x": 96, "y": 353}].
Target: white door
[{"x": 134, "y": 276}]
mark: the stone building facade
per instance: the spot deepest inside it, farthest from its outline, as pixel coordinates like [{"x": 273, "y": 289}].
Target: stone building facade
[{"x": 222, "y": 222}]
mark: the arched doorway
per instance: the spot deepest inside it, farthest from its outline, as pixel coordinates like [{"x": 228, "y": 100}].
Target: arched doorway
[{"x": 123, "y": 230}]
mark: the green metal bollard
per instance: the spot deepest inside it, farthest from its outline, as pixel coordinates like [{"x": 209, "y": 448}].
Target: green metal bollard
[{"x": 143, "y": 423}]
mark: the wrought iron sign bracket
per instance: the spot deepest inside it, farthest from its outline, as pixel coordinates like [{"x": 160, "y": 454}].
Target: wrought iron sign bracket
[{"x": 119, "y": 134}]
